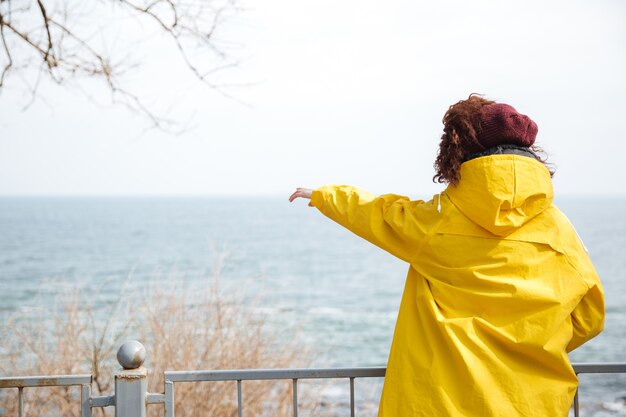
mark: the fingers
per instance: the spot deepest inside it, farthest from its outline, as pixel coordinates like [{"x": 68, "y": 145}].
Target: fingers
[
  {"x": 296, "y": 194},
  {"x": 301, "y": 193}
]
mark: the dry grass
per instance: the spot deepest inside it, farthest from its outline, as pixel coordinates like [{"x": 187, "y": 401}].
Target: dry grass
[{"x": 181, "y": 329}]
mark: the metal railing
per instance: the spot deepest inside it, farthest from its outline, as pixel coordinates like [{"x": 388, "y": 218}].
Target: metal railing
[
  {"x": 83, "y": 381},
  {"x": 131, "y": 397},
  {"x": 267, "y": 374},
  {"x": 595, "y": 368}
]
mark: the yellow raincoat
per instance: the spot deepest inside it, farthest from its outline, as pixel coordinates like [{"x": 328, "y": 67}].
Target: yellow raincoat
[{"x": 499, "y": 289}]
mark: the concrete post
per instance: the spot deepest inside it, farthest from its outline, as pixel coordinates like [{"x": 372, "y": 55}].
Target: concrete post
[{"x": 131, "y": 383}]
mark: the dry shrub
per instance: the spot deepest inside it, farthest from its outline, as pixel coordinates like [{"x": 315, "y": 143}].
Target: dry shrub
[
  {"x": 181, "y": 329},
  {"x": 210, "y": 334},
  {"x": 64, "y": 341}
]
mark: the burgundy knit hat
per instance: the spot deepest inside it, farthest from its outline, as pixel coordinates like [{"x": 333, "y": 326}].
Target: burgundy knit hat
[{"x": 501, "y": 124}]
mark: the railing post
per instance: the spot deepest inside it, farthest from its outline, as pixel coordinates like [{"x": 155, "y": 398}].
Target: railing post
[{"x": 131, "y": 382}]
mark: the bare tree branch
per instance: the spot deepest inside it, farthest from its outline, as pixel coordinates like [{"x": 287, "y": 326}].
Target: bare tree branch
[{"x": 62, "y": 50}]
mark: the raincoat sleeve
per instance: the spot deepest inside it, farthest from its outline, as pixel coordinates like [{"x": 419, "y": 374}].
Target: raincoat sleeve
[
  {"x": 389, "y": 221},
  {"x": 588, "y": 316}
]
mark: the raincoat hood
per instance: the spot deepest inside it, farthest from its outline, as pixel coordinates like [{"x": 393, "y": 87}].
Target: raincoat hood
[{"x": 502, "y": 192}]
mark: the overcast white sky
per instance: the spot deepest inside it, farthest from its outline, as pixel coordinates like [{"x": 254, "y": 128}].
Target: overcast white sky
[{"x": 343, "y": 91}]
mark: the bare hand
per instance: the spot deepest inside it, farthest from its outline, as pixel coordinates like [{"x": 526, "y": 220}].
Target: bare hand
[{"x": 302, "y": 193}]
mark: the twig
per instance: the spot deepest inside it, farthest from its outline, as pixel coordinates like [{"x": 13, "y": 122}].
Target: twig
[{"x": 46, "y": 25}]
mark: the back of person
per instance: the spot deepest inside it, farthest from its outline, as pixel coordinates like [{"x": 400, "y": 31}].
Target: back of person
[
  {"x": 489, "y": 301},
  {"x": 499, "y": 288}
]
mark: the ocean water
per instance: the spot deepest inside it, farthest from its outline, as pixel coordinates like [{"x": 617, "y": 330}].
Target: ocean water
[{"x": 339, "y": 292}]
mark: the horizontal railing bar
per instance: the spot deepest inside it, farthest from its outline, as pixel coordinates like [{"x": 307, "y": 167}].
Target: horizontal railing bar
[
  {"x": 600, "y": 368},
  {"x": 152, "y": 398},
  {"x": 104, "y": 401},
  {"x": 262, "y": 374},
  {"x": 45, "y": 381}
]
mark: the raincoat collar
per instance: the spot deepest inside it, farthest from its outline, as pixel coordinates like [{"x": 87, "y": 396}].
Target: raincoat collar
[
  {"x": 503, "y": 149},
  {"x": 502, "y": 192}
]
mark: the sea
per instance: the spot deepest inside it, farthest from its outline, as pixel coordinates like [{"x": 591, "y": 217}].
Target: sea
[{"x": 338, "y": 291}]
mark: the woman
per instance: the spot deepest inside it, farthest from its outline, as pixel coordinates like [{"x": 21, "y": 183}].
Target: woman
[{"x": 499, "y": 288}]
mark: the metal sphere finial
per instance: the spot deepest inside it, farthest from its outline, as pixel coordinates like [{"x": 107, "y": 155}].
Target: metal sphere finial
[{"x": 131, "y": 355}]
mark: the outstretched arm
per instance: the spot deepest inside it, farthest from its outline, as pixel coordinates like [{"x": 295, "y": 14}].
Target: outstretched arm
[{"x": 391, "y": 222}]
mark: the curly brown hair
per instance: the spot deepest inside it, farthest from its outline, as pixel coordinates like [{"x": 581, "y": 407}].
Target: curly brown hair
[{"x": 460, "y": 126}]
